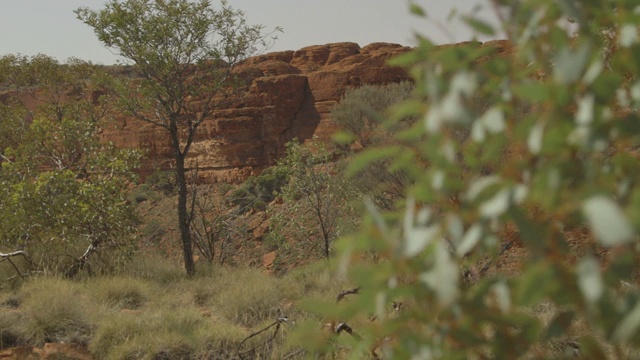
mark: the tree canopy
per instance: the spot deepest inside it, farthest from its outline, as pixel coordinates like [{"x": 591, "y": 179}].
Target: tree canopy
[
  {"x": 185, "y": 52},
  {"x": 63, "y": 193}
]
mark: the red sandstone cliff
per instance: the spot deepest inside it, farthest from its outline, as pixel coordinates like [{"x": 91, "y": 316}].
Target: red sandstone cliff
[{"x": 291, "y": 94}]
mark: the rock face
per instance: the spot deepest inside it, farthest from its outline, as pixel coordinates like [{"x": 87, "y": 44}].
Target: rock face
[{"x": 291, "y": 94}]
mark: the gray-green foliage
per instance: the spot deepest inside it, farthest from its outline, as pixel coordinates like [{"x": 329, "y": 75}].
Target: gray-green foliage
[
  {"x": 62, "y": 191},
  {"x": 316, "y": 204},
  {"x": 565, "y": 166},
  {"x": 184, "y": 52},
  {"x": 360, "y": 112},
  {"x": 13, "y": 126},
  {"x": 258, "y": 191}
]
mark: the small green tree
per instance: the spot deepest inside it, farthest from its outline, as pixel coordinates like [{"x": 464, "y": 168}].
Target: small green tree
[
  {"x": 63, "y": 192},
  {"x": 185, "y": 52},
  {"x": 316, "y": 202}
]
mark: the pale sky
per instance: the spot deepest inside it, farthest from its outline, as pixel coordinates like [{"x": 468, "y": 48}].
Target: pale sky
[{"x": 49, "y": 27}]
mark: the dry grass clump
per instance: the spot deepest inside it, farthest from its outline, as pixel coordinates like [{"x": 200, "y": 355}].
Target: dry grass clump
[
  {"x": 120, "y": 292},
  {"x": 152, "y": 311},
  {"x": 53, "y": 310},
  {"x": 155, "y": 268},
  {"x": 9, "y": 333},
  {"x": 318, "y": 281},
  {"x": 163, "y": 334},
  {"x": 249, "y": 297}
]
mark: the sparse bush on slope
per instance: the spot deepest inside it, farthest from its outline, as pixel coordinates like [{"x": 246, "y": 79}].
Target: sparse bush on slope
[
  {"x": 258, "y": 191},
  {"x": 361, "y": 112}
]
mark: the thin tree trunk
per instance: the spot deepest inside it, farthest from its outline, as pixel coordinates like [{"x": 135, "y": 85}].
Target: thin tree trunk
[{"x": 183, "y": 216}]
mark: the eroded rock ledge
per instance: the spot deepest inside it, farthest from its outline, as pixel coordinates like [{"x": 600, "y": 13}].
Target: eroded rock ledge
[{"x": 291, "y": 94}]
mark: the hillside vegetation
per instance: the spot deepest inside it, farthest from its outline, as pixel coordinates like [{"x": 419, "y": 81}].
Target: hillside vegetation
[{"x": 487, "y": 209}]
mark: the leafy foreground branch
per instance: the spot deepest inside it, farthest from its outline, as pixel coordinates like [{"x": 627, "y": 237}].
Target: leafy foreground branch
[{"x": 527, "y": 146}]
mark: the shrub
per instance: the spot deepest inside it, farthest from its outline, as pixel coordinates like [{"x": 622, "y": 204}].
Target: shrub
[
  {"x": 257, "y": 191},
  {"x": 363, "y": 115},
  {"x": 64, "y": 190},
  {"x": 361, "y": 110},
  {"x": 316, "y": 203}
]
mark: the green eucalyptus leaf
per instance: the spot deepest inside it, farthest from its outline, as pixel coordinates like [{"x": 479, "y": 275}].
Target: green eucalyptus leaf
[
  {"x": 443, "y": 278},
  {"x": 503, "y": 296},
  {"x": 533, "y": 284},
  {"x": 607, "y": 221},
  {"x": 365, "y": 158},
  {"x": 533, "y": 91},
  {"x": 497, "y": 205},
  {"x": 584, "y": 115},
  {"x": 470, "y": 239},
  {"x": 535, "y": 138},
  {"x": 628, "y": 326},
  {"x": 570, "y": 64},
  {"x": 417, "y": 10},
  {"x": 628, "y": 35},
  {"x": 478, "y": 186},
  {"x": 480, "y": 26},
  {"x": 589, "y": 279},
  {"x": 417, "y": 233},
  {"x": 493, "y": 120}
]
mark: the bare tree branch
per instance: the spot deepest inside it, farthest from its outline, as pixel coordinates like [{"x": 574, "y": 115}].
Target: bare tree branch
[
  {"x": 344, "y": 293},
  {"x": 277, "y": 324},
  {"x": 8, "y": 257}
]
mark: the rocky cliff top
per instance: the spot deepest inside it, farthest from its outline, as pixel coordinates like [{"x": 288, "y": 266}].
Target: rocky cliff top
[{"x": 291, "y": 94}]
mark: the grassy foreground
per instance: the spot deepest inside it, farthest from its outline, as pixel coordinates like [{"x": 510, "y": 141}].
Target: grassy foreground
[{"x": 154, "y": 312}]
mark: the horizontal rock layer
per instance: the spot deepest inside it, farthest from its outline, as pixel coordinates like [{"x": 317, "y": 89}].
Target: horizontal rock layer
[{"x": 291, "y": 94}]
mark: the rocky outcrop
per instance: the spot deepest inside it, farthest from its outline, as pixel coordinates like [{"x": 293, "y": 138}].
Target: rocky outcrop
[{"x": 291, "y": 94}]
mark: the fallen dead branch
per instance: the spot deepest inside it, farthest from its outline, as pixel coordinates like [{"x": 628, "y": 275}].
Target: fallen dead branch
[
  {"x": 277, "y": 324},
  {"x": 346, "y": 328},
  {"x": 8, "y": 256},
  {"x": 344, "y": 293}
]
